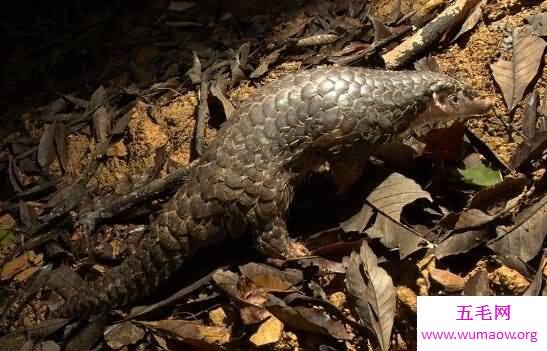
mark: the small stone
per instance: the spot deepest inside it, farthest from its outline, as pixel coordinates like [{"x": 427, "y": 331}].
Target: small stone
[
  {"x": 218, "y": 317},
  {"x": 338, "y": 299},
  {"x": 269, "y": 332},
  {"x": 450, "y": 281},
  {"x": 408, "y": 297},
  {"x": 510, "y": 279},
  {"x": 123, "y": 334}
]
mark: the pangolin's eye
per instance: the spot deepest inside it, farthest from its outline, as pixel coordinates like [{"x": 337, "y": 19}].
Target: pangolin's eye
[{"x": 453, "y": 99}]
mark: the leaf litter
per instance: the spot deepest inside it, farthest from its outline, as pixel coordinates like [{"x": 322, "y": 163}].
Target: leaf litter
[{"x": 64, "y": 171}]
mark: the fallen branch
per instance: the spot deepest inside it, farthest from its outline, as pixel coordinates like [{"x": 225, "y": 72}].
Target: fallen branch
[{"x": 427, "y": 36}]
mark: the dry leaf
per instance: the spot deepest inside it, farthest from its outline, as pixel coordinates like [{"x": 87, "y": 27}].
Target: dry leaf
[
  {"x": 101, "y": 125},
  {"x": 180, "y": 6},
  {"x": 450, "y": 281},
  {"x": 123, "y": 334},
  {"x": 525, "y": 238},
  {"x": 97, "y": 99},
  {"x": 374, "y": 294},
  {"x": 270, "y": 278},
  {"x": 194, "y": 73},
  {"x": 534, "y": 289},
  {"x": 192, "y": 332},
  {"x": 266, "y": 62},
  {"x": 390, "y": 197},
  {"x": 61, "y": 145},
  {"x": 530, "y": 115},
  {"x": 461, "y": 243},
  {"x": 27, "y": 273},
  {"x": 529, "y": 150},
  {"x": 514, "y": 76},
  {"x": 307, "y": 319},
  {"x": 472, "y": 218},
  {"x": 19, "y": 264},
  {"x": 216, "y": 91},
  {"x": 494, "y": 198},
  {"x": 478, "y": 285},
  {"x": 538, "y": 23},
  {"x": 472, "y": 20},
  {"x": 270, "y": 331},
  {"x": 427, "y": 64},
  {"x": 381, "y": 31},
  {"x": 46, "y": 147}
]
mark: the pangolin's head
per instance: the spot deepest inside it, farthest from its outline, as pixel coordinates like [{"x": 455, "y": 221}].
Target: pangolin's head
[{"x": 444, "y": 102}]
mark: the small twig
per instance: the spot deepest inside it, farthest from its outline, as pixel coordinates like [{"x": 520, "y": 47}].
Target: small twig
[
  {"x": 371, "y": 50},
  {"x": 137, "y": 312},
  {"x": 427, "y": 36},
  {"x": 203, "y": 115}
]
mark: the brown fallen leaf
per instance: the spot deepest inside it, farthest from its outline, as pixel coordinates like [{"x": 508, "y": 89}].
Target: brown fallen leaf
[
  {"x": 461, "y": 243},
  {"x": 530, "y": 115},
  {"x": 46, "y": 147},
  {"x": 270, "y": 278},
  {"x": 61, "y": 145},
  {"x": 180, "y": 6},
  {"x": 97, "y": 99},
  {"x": 390, "y": 197},
  {"x": 265, "y": 63},
  {"x": 247, "y": 294},
  {"x": 123, "y": 334},
  {"x": 538, "y": 23},
  {"x": 478, "y": 285},
  {"x": 194, "y": 73},
  {"x": 191, "y": 332},
  {"x": 472, "y": 218},
  {"x": 471, "y": 20},
  {"x": 525, "y": 238},
  {"x": 216, "y": 91},
  {"x": 27, "y": 273},
  {"x": 239, "y": 63},
  {"x": 381, "y": 31},
  {"x": 307, "y": 319},
  {"x": 407, "y": 297},
  {"x": 19, "y": 264},
  {"x": 427, "y": 64},
  {"x": 534, "y": 289},
  {"x": 529, "y": 150},
  {"x": 102, "y": 127},
  {"x": 514, "y": 76},
  {"x": 373, "y": 294},
  {"x": 269, "y": 332},
  {"x": 450, "y": 281},
  {"x": 324, "y": 265},
  {"x": 493, "y": 199},
  {"x": 76, "y": 101}
]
